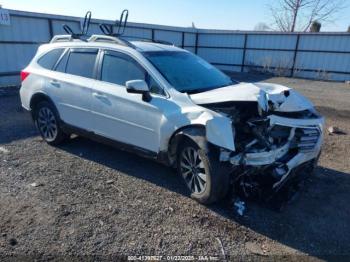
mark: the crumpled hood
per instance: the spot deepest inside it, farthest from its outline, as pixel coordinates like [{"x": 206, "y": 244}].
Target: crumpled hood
[{"x": 269, "y": 96}]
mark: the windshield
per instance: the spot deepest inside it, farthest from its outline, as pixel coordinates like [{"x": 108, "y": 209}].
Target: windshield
[{"x": 187, "y": 72}]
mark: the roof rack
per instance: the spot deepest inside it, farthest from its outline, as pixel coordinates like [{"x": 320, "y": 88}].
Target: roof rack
[
  {"x": 120, "y": 25},
  {"x": 61, "y": 38},
  {"x": 111, "y": 39},
  {"x": 112, "y": 33},
  {"x": 84, "y": 30}
]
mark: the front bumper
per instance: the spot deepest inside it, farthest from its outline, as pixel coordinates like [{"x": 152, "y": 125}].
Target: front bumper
[{"x": 308, "y": 149}]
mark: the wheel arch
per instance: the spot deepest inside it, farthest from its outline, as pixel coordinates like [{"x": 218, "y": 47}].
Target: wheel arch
[
  {"x": 39, "y": 97},
  {"x": 194, "y": 133}
]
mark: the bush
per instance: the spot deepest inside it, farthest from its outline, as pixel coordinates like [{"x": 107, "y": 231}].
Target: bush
[{"x": 315, "y": 27}]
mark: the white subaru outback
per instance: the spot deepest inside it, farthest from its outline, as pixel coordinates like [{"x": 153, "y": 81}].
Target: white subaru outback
[{"x": 168, "y": 104}]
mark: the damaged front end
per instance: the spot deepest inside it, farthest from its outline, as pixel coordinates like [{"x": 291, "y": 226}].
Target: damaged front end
[{"x": 273, "y": 149}]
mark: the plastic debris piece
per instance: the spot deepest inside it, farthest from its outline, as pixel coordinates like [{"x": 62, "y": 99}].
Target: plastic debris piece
[
  {"x": 4, "y": 150},
  {"x": 335, "y": 130},
  {"x": 239, "y": 206}
]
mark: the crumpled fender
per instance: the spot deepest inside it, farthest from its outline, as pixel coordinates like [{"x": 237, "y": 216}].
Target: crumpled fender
[{"x": 219, "y": 131}]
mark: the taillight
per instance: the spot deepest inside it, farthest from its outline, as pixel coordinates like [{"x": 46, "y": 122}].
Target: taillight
[{"x": 24, "y": 75}]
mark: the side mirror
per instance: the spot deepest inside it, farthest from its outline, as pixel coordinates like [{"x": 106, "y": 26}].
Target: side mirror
[{"x": 139, "y": 87}]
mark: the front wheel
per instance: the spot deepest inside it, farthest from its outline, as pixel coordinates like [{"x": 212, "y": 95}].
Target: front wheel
[
  {"x": 47, "y": 121},
  {"x": 204, "y": 175}
]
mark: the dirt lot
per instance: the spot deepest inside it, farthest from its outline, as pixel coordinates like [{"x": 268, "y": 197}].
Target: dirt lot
[{"x": 90, "y": 199}]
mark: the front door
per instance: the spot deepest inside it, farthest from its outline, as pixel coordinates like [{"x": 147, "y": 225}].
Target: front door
[{"x": 122, "y": 116}]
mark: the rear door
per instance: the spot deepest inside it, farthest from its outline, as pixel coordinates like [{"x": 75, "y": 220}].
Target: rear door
[
  {"x": 122, "y": 116},
  {"x": 74, "y": 78}
]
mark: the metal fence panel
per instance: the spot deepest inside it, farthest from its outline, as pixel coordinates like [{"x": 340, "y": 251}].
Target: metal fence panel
[
  {"x": 25, "y": 29},
  {"x": 16, "y": 56},
  {"x": 221, "y": 40},
  {"x": 268, "y": 58},
  {"x": 172, "y": 37},
  {"x": 189, "y": 39},
  {"x": 339, "y": 43},
  {"x": 224, "y": 56},
  {"x": 58, "y": 30},
  {"x": 323, "y": 61},
  {"x": 9, "y": 80},
  {"x": 138, "y": 33},
  {"x": 228, "y": 68},
  {"x": 271, "y": 41},
  {"x": 191, "y": 49},
  {"x": 311, "y": 55}
]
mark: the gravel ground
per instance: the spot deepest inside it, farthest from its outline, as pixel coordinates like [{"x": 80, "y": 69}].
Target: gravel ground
[{"x": 87, "y": 199}]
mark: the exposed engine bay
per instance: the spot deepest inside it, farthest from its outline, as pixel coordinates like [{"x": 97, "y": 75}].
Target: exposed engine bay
[{"x": 274, "y": 150}]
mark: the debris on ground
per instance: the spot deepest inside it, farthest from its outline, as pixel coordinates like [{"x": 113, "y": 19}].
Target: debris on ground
[
  {"x": 239, "y": 206},
  {"x": 169, "y": 210},
  {"x": 4, "y": 150},
  {"x": 36, "y": 184},
  {"x": 111, "y": 181},
  {"x": 335, "y": 130},
  {"x": 255, "y": 248}
]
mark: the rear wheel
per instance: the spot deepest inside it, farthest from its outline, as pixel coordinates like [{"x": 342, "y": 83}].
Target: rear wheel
[
  {"x": 204, "y": 175},
  {"x": 47, "y": 121}
]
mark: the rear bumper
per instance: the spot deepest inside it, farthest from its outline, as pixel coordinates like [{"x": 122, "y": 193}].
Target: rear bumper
[{"x": 24, "y": 96}]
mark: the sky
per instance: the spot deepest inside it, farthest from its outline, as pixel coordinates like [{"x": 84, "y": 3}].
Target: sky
[{"x": 213, "y": 14}]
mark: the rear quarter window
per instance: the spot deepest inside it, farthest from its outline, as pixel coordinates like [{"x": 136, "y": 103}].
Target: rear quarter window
[{"x": 49, "y": 59}]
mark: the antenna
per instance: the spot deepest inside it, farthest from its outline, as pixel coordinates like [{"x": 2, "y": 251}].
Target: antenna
[
  {"x": 84, "y": 30},
  {"x": 120, "y": 25}
]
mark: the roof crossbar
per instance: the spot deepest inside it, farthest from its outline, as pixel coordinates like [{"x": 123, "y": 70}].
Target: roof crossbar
[
  {"x": 84, "y": 30},
  {"x": 120, "y": 25},
  {"x": 111, "y": 39},
  {"x": 61, "y": 38}
]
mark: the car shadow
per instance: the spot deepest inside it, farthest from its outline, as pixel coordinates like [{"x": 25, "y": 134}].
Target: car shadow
[
  {"x": 126, "y": 163},
  {"x": 315, "y": 224}
]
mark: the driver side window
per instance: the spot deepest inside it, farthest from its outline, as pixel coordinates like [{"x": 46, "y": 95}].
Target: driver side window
[{"x": 118, "y": 68}]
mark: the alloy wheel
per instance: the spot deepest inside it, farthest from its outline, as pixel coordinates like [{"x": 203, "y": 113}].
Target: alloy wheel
[
  {"x": 47, "y": 124},
  {"x": 192, "y": 170}
]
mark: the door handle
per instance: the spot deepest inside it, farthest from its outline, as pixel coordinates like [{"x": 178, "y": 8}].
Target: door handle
[
  {"x": 55, "y": 83},
  {"x": 99, "y": 95}
]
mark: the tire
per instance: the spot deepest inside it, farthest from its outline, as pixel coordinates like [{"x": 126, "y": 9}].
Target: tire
[
  {"x": 210, "y": 179},
  {"x": 48, "y": 123}
]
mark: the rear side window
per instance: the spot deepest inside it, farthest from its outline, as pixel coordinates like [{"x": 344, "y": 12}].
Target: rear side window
[
  {"x": 81, "y": 63},
  {"x": 49, "y": 59},
  {"x": 118, "y": 69}
]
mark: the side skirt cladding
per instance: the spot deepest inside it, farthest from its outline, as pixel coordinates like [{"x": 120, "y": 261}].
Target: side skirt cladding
[{"x": 119, "y": 145}]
